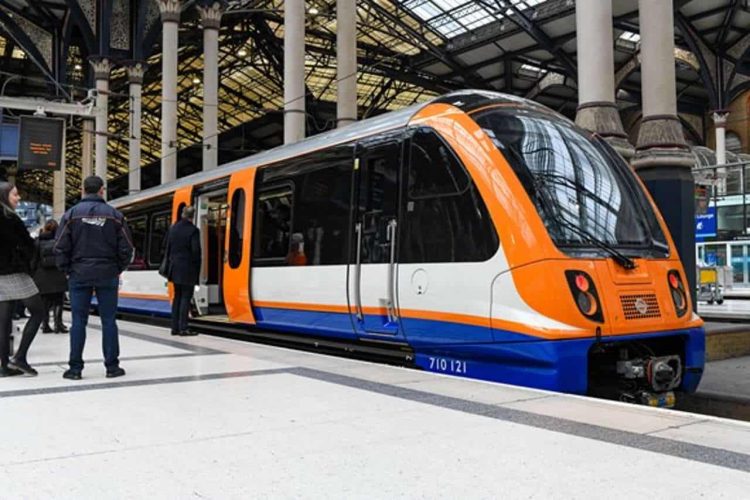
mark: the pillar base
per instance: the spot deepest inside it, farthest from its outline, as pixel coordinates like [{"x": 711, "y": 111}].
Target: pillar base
[{"x": 603, "y": 118}]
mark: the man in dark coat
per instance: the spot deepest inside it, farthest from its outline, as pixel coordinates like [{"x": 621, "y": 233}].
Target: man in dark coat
[
  {"x": 184, "y": 267},
  {"x": 93, "y": 247}
]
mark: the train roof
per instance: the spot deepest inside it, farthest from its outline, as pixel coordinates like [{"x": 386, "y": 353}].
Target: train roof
[{"x": 466, "y": 100}]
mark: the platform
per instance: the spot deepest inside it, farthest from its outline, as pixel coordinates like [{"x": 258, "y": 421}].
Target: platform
[{"x": 218, "y": 418}]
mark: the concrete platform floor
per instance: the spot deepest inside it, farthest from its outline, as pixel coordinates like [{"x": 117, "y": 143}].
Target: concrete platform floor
[{"x": 206, "y": 417}]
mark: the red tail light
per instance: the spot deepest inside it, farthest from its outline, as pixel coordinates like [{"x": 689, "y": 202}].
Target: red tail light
[{"x": 585, "y": 295}]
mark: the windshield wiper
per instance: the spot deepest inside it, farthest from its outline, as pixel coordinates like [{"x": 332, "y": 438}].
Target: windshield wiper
[{"x": 621, "y": 259}]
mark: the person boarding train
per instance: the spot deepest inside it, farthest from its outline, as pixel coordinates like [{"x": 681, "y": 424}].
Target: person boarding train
[{"x": 183, "y": 268}]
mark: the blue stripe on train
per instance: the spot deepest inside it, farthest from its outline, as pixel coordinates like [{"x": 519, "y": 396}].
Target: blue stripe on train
[
  {"x": 143, "y": 306},
  {"x": 471, "y": 351}
]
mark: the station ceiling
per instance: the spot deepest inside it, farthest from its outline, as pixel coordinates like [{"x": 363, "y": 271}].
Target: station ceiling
[{"x": 408, "y": 51}]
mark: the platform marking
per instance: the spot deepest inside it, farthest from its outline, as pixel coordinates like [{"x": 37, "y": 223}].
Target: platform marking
[
  {"x": 133, "y": 358},
  {"x": 165, "y": 341},
  {"x": 81, "y": 387},
  {"x": 679, "y": 449}
]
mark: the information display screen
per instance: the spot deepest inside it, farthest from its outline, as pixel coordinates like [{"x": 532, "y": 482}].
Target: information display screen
[{"x": 40, "y": 143}]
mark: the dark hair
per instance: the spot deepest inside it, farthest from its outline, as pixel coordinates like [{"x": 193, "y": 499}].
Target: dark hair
[
  {"x": 92, "y": 184},
  {"x": 5, "y": 189},
  {"x": 50, "y": 226}
]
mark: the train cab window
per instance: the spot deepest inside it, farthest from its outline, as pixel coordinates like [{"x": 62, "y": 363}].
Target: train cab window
[
  {"x": 138, "y": 228},
  {"x": 236, "y": 229},
  {"x": 158, "y": 237},
  {"x": 273, "y": 224},
  {"x": 445, "y": 218}
]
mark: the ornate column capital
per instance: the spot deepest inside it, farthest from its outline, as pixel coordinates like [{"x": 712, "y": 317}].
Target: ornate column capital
[
  {"x": 720, "y": 118},
  {"x": 101, "y": 66},
  {"x": 135, "y": 70},
  {"x": 170, "y": 10},
  {"x": 211, "y": 12}
]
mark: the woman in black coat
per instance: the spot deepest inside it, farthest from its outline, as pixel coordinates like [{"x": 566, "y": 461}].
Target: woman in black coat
[
  {"x": 16, "y": 251},
  {"x": 51, "y": 282}
]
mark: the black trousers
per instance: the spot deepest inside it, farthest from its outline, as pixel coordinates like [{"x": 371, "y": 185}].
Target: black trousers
[
  {"x": 183, "y": 295},
  {"x": 36, "y": 306}
]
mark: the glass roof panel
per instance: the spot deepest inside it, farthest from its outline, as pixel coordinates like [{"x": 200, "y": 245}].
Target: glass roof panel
[{"x": 451, "y": 18}]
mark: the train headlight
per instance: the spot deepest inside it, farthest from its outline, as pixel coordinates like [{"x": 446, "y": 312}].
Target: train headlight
[
  {"x": 585, "y": 295},
  {"x": 677, "y": 291}
]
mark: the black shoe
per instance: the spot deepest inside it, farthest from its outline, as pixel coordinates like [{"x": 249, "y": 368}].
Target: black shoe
[
  {"x": 72, "y": 374},
  {"x": 174, "y": 332},
  {"x": 46, "y": 328},
  {"x": 188, "y": 333},
  {"x": 22, "y": 365},
  {"x": 61, "y": 328},
  {"x": 115, "y": 372},
  {"x": 9, "y": 372}
]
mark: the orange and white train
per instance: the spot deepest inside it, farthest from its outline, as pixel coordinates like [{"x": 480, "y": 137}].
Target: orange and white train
[{"x": 485, "y": 232}]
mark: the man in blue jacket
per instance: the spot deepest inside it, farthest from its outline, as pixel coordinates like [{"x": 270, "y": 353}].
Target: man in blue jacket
[{"x": 93, "y": 247}]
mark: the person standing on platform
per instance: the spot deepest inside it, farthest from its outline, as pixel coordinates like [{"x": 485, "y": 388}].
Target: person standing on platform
[
  {"x": 16, "y": 249},
  {"x": 183, "y": 268},
  {"x": 93, "y": 246},
  {"x": 51, "y": 282}
]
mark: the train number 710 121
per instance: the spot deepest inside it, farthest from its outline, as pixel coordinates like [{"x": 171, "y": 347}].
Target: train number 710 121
[{"x": 447, "y": 365}]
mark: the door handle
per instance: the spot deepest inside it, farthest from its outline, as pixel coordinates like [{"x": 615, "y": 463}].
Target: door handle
[
  {"x": 358, "y": 273},
  {"x": 391, "y": 235}
]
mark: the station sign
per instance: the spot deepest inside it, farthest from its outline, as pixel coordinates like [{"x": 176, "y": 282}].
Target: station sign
[
  {"x": 40, "y": 143},
  {"x": 705, "y": 224}
]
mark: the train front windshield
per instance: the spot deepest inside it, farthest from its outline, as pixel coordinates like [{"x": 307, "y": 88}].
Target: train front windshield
[{"x": 583, "y": 190}]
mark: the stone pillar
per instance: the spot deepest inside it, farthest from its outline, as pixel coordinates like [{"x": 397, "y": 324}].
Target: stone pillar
[
  {"x": 211, "y": 20},
  {"x": 294, "y": 71},
  {"x": 346, "y": 49},
  {"x": 663, "y": 159},
  {"x": 720, "y": 124},
  {"x": 170, "y": 18},
  {"x": 135, "y": 79},
  {"x": 597, "y": 110},
  {"x": 102, "y": 68},
  {"x": 87, "y": 148}
]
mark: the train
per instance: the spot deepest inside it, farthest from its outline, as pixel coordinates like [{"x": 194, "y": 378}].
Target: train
[{"x": 486, "y": 233}]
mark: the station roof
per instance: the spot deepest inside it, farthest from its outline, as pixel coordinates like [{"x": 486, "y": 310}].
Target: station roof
[{"x": 408, "y": 51}]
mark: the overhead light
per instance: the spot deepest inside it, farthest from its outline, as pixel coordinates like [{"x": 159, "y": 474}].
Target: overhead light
[
  {"x": 313, "y": 11},
  {"x": 196, "y": 80},
  {"x": 78, "y": 67},
  {"x": 242, "y": 53}
]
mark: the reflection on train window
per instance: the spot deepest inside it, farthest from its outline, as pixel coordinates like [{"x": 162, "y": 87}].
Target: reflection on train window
[
  {"x": 445, "y": 174},
  {"x": 138, "y": 227},
  {"x": 582, "y": 190},
  {"x": 158, "y": 237},
  {"x": 273, "y": 222},
  {"x": 445, "y": 218},
  {"x": 321, "y": 212},
  {"x": 237, "y": 228}
]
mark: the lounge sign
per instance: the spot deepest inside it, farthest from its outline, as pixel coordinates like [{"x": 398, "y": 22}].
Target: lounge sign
[{"x": 40, "y": 143}]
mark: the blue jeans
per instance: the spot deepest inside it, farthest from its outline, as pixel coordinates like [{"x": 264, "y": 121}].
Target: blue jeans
[{"x": 80, "y": 303}]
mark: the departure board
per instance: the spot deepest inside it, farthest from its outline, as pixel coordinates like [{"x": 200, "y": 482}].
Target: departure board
[{"x": 40, "y": 143}]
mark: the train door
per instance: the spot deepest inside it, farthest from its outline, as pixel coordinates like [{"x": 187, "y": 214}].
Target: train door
[
  {"x": 211, "y": 220},
  {"x": 373, "y": 304}
]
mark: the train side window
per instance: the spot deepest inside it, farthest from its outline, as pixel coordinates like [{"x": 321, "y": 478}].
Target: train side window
[
  {"x": 273, "y": 225},
  {"x": 138, "y": 229},
  {"x": 445, "y": 218},
  {"x": 236, "y": 236},
  {"x": 157, "y": 238},
  {"x": 322, "y": 209}
]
